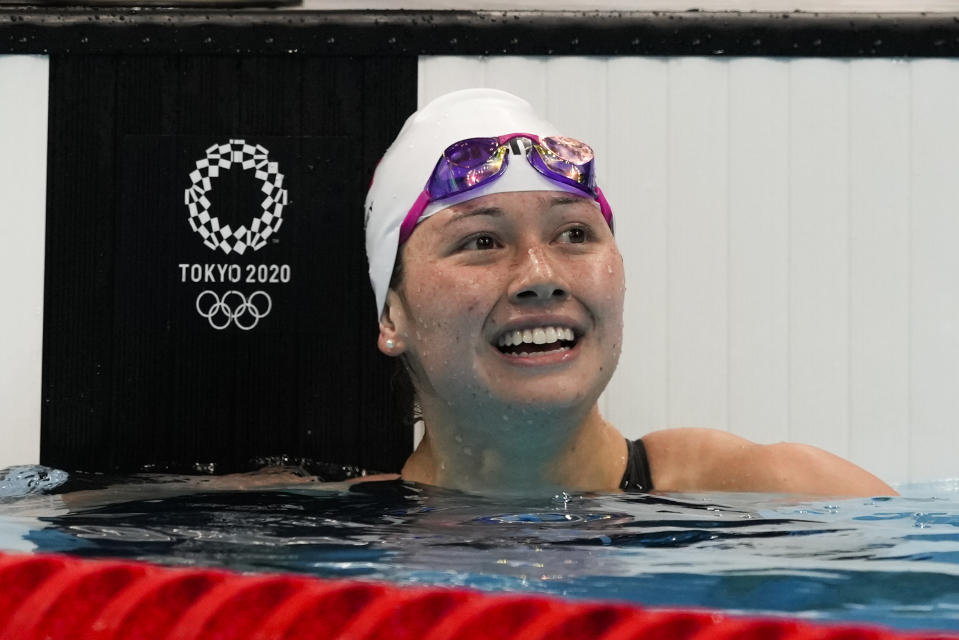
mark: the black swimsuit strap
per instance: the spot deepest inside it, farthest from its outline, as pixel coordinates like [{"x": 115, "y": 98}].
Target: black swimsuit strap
[{"x": 636, "y": 478}]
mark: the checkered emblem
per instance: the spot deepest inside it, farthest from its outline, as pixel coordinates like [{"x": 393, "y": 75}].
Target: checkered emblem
[{"x": 251, "y": 158}]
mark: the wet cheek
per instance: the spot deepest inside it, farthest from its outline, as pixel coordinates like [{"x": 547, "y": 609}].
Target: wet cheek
[
  {"x": 428, "y": 299},
  {"x": 472, "y": 298},
  {"x": 471, "y": 305},
  {"x": 615, "y": 273},
  {"x": 610, "y": 276}
]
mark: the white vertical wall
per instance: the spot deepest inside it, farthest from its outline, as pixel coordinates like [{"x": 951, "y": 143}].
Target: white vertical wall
[
  {"x": 879, "y": 270},
  {"x": 791, "y": 236},
  {"x": 758, "y": 170},
  {"x": 934, "y": 269},
  {"x": 23, "y": 170}
]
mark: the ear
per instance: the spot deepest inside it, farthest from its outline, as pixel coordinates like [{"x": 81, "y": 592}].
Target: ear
[{"x": 392, "y": 324}]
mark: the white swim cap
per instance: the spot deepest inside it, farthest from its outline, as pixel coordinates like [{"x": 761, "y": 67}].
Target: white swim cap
[{"x": 402, "y": 173}]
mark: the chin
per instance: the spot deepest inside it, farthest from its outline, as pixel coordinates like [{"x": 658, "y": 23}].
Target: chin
[{"x": 546, "y": 398}]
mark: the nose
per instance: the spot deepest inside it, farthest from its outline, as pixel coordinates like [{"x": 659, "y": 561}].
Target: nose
[{"x": 536, "y": 281}]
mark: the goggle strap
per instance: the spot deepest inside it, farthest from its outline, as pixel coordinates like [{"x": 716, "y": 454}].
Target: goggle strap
[
  {"x": 604, "y": 207},
  {"x": 409, "y": 222}
]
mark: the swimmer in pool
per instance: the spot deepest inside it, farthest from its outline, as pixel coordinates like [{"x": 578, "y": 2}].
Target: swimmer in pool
[{"x": 499, "y": 287}]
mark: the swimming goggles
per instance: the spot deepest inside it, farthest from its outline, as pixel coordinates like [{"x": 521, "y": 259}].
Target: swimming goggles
[{"x": 473, "y": 162}]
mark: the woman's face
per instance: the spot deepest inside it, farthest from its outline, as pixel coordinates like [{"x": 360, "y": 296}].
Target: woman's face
[{"x": 511, "y": 298}]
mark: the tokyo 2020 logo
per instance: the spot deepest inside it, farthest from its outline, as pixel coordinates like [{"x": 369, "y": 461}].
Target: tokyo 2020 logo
[
  {"x": 221, "y": 236},
  {"x": 235, "y": 308}
]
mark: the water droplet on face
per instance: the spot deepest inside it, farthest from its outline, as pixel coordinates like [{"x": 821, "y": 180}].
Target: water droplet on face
[{"x": 609, "y": 268}]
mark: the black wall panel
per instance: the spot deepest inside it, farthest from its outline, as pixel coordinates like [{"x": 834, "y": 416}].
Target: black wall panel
[
  {"x": 308, "y": 31},
  {"x": 134, "y": 375}
]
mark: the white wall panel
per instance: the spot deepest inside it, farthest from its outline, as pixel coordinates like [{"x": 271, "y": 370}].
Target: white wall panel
[
  {"x": 449, "y": 73},
  {"x": 818, "y": 253},
  {"x": 790, "y": 232},
  {"x": 638, "y": 122},
  {"x": 934, "y": 277},
  {"x": 521, "y": 76},
  {"x": 697, "y": 241},
  {"x": 879, "y": 128},
  {"x": 23, "y": 170},
  {"x": 758, "y": 171}
]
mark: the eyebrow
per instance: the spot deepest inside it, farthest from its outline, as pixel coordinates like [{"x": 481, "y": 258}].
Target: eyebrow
[
  {"x": 478, "y": 211},
  {"x": 496, "y": 212},
  {"x": 561, "y": 200}
]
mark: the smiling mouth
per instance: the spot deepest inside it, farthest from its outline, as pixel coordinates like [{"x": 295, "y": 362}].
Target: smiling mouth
[{"x": 529, "y": 343}]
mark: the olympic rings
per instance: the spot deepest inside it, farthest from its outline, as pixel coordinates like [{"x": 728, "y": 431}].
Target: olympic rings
[{"x": 233, "y": 307}]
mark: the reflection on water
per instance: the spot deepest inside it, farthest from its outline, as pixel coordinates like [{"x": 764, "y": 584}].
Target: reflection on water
[{"x": 888, "y": 560}]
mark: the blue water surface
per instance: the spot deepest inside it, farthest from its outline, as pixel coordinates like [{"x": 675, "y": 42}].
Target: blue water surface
[{"x": 892, "y": 561}]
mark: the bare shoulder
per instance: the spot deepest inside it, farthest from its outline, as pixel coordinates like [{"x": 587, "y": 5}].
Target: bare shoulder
[{"x": 712, "y": 460}]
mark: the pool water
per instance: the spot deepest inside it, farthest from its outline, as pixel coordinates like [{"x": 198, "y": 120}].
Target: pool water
[{"x": 892, "y": 561}]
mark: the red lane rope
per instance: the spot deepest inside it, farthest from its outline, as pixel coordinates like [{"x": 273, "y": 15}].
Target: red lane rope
[{"x": 54, "y": 597}]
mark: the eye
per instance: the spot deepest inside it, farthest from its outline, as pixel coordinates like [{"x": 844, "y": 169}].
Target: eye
[
  {"x": 574, "y": 235},
  {"x": 480, "y": 242}
]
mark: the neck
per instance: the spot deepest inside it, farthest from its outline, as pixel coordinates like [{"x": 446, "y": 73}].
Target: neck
[{"x": 518, "y": 451}]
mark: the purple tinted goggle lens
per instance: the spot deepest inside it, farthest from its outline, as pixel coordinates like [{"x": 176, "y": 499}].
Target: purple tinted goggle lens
[{"x": 473, "y": 162}]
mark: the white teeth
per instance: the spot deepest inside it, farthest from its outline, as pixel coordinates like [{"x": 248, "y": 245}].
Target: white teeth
[
  {"x": 537, "y": 354},
  {"x": 538, "y": 335}
]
